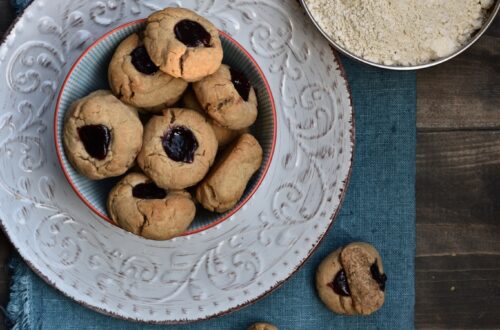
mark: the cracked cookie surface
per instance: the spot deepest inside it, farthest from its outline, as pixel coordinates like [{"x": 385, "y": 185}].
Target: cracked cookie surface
[
  {"x": 164, "y": 39},
  {"x": 122, "y": 124},
  {"x": 150, "y": 89},
  {"x": 224, "y": 136},
  {"x": 153, "y": 213},
  {"x": 351, "y": 280},
  {"x": 231, "y": 104},
  {"x": 227, "y": 180},
  {"x": 170, "y": 171},
  {"x": 262, "y": 326}
]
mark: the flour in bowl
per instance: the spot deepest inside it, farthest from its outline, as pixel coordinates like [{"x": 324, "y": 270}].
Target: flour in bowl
[{"x": 400, "y": 32}]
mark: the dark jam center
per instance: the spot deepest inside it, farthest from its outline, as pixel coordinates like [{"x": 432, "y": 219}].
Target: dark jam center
[
  {"x": 340, "y": 285},
  {"x": 96, "y": 140},
  {"x": 148, "y": 191},
  {"x": 380, "y": 278},
  {"x": 192, "y": 34},
  {"x": 142, "y": 61},
  {"x": 241, "y": 84},
  {"x": 180, "y": 144}
]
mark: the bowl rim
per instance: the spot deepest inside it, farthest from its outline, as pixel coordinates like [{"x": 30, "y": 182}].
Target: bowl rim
[
  {"x": 60, "y": 148},
  {"x": 478, "y": 34}
]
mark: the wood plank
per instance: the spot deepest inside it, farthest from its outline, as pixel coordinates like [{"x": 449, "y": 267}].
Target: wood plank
[
  {"x": 463, "y": 93},
  {"x": 458, "y": 178},
  {"x": 5, "y": 249},
  {"x": 6, "y": 17},
  {"x": 458, "y": 229},
  {"x": 458, "y": 292}
]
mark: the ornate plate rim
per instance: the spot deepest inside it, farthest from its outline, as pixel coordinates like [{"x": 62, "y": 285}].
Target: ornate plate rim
[{"x": 277, "y": 285}]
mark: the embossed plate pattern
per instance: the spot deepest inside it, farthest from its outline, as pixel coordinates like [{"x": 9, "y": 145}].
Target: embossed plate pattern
[{"x": 195, "y": 276}]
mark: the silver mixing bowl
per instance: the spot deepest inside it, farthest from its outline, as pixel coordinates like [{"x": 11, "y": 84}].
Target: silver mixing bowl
[{"x": 475, "y": 37}]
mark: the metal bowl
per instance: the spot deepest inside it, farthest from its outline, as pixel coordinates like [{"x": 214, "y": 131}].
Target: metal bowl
[{"x": 493, "y": 13}]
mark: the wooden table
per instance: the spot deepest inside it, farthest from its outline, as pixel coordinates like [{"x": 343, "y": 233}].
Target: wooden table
[{"x": 458, "y": 189}]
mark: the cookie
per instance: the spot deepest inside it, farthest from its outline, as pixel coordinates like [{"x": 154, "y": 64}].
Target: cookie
[
  {"x": 137, "y": 205},
  {"x": 183, "y": 44},
  {"x": 223, "y": 135},
  {"x": 137, "y": 81},
  {"x": 225, "y": 184},
  {"x": 179, "y": 148},
  {"x": 351, "y": 280},
  {"x": 102, "y": 136},
  {"x": 262, "y": 326},
  {"x": 228, "y": 97}
]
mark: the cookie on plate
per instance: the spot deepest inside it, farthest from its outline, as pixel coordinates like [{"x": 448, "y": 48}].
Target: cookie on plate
[
  {"x": 228, "y": 97},
  {"x": 137, "y": 205},
  {"x": 223, "y": 135},
  {"x": 226, "y": 182},
  {"x": 351, "y": 280},
  {"x": 137, "y": 81},
  {"x": 179, "y": 148},
  {"x": 183, "y": 44},
  {"x": 102, "y": 136}
]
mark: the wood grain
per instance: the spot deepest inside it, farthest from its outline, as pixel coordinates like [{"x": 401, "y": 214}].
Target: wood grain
[
  {"x": 458, "y": 292},
  {"x": 6, "y": 17},
  {"x": 463, "y": 93},
  {"x": 458, "y": 229},
  {"x": 458, "y": 190},
  {"x": 459, "y": 177}
]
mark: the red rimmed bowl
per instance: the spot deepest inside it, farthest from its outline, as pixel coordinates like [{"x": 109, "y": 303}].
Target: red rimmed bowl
[{"x": 89, "y": 73}]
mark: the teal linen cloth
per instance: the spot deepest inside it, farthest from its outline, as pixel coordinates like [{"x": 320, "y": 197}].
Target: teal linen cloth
[{"x": 379, "y": 208}]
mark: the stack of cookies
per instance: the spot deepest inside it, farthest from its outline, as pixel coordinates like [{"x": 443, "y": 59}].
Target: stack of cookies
[{"x": 178, "y": 113}]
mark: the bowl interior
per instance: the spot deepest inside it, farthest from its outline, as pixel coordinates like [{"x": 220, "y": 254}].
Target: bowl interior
[
  {"x": 89, "y": 73},
  {"x": 492, "y": 13}
]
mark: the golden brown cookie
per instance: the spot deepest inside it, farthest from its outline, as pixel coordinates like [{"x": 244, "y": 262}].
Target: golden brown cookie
[
  {"x": 102, "y": 136},
  {"x": 183, "y": 44},
  {"x": 228, "y": 97},
  {"x": 351, "y": 280},
  {"x": 262, "y": 326},
  {"x": 178, "y": 150},
  {"x": 137, "y": 81},
  {"x": 226, "y": 182},
  {"x": 223, "y": 135},
  {"x": 137, "y": 205}
]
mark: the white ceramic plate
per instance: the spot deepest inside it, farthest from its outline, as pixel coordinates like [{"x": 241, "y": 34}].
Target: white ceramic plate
[{"x": 196, "y": 276}]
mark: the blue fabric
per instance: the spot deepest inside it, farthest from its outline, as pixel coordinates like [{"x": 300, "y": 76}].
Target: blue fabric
[
  {"x": 19, "y": 5},
  {"x": 379, "y": 208}
]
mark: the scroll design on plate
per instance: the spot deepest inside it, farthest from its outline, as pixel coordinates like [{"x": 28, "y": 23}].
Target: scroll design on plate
[
  {"x": 33, "y": 74},
  {"x": 233, "y": 262},
  {"x": 108, "y": 12},
  {"x": 34, "y": 69},
  {"x": 313, "y": 105}
]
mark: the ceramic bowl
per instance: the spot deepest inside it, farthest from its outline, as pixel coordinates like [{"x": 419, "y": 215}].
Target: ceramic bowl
[{"x": 89, "y": 73}]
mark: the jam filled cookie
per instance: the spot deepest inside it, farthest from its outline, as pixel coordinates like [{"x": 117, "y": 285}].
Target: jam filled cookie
[
  {"x": 227, "y": 180},
  {"x": 228, "y": 97},
  {"x": 351, "y": 280},
  {"x": 137, "y": 81},
  {"x": 102, "y": 136},
  {"x": 183, "y": 44},
  {"x": 137, "y": 205},
  {"x": 223, "y": 135},
  {"x": 262, "y": 326},
  {"x": 178, "y": 150}
]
